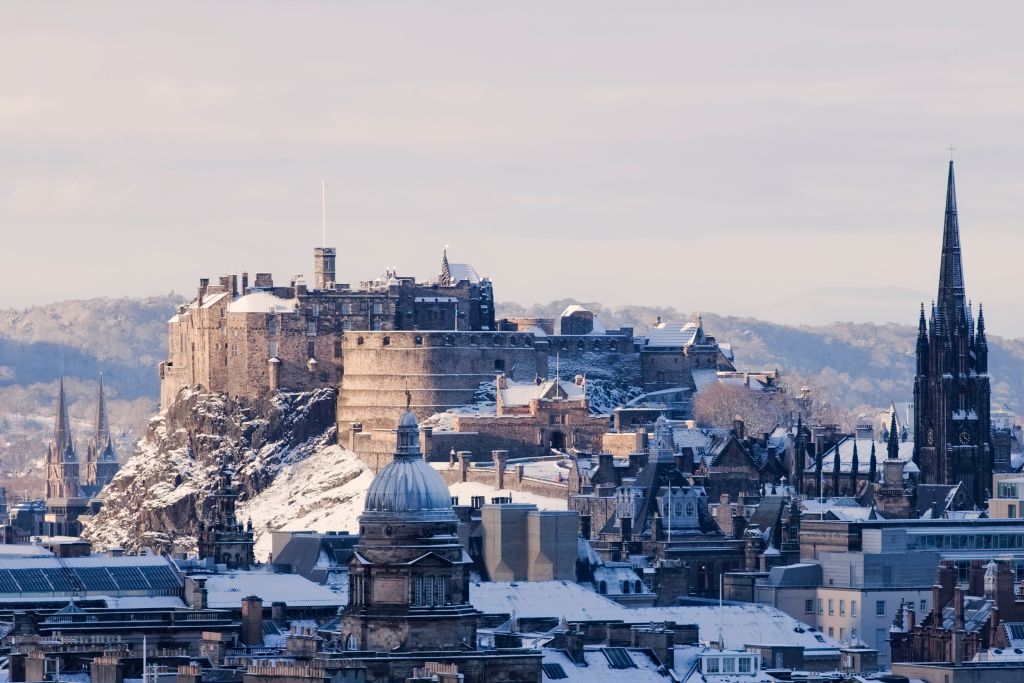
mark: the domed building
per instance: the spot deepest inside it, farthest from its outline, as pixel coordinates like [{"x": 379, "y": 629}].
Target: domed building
[{"x": 409, "y": 575}]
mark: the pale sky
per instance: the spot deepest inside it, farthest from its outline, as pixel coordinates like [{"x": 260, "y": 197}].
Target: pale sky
[{"x": 783, "y": 161}]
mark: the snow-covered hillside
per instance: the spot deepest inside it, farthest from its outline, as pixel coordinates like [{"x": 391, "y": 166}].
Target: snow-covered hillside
[{"x": 289, "y": 473}]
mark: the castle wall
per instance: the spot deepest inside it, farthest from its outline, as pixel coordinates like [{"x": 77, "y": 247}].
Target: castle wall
[{"x": 440, "y": 370}]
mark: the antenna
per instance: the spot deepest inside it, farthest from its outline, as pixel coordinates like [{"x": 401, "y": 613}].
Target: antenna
[{"x": 323, "y": 207}]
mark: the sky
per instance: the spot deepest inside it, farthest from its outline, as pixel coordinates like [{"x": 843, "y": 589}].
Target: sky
[{"x": 785, "y": 161}]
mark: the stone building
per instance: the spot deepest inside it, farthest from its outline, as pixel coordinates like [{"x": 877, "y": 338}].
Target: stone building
[
  {"x": 221, "y": 536},
  {"x": 247, "y": 339},
  {"x": 952, "y": 425},
  {"x": 408, "y": 576},
  {"x": 678, "y": 357}
]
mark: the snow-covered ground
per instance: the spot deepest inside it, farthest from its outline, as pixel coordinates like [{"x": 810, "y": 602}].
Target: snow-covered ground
[
  {"x": 324, "y": 492},
  {"x": 327, "y": 491}
]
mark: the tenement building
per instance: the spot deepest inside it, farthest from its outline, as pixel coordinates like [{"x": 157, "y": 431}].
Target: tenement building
[{"x": 951, "y": 388}]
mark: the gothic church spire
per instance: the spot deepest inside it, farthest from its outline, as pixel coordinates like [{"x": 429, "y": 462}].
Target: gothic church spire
[{"x": 952, "y": 295}]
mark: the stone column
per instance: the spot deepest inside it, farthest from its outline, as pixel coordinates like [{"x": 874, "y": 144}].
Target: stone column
[{"x": 500, "y": 464}]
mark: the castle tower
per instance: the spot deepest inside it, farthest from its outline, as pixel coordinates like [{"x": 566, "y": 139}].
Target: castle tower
[
  {"x": 62, "y": 468},
  {"x": 221, "y": 536},
  {"x": 952, "y": 428},
  {"x": 324, "y": 268},
  {"x": 408, "y": 576},
  {"x": 100, "y": 459}
]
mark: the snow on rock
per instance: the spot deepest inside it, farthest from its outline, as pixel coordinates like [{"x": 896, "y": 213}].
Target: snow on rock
[
  {"x": 159, "y": 495},
  {"x": 289, "y": 474},
  {"x": 324, "y": 492}
]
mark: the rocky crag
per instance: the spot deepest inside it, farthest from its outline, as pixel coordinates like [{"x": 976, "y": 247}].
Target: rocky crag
[{"x": 159, "y": 496}]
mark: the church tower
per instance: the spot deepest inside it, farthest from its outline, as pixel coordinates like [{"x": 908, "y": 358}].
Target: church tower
[
  {"x": 221, "y": 536},
  {"x": 100, "y": 459},
  {"x": 409, "y": 575},
  {"x": 62, "y": 468},
  {"x": 952, "y": 429}
]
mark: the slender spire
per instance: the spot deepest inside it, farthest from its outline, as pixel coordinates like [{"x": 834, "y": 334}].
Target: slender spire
[
  {"x": 445, "y": 278},
  {"x": 893, "y": 447},
  {"x": 981, "y": 325},
  {"x": 952, "y": 294},
  {"x": 872, "y": 465},
  {"x": 102, "y": 436},
  {"x": 62, "y": 427},
  {"x": 854, "y": 469},
  {"x": 922, "y": 325}
]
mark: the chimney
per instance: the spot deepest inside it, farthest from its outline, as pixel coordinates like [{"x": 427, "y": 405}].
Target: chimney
[
  {"x": 911, "y": 618},
  {"x": 1002, "y": 589},
  {"x": 234, "y": 286},
  {"x": 958, "y": 607},
  {"x": 947, "y": 579},
  {"x": 252, "y": 621},
  {"x": 574, "y": 646},
  {"x": 245, "y": 283},
  {"x": 737, "y": 428},
  {"x": 976, "y": 578},
  {"x": 204, "y": 284}
]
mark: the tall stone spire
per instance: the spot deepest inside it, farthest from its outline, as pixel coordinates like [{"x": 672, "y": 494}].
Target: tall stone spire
[
  {"x": 102, "y": 435},
  {"x": 952, "y": 298},
  {"x": 62, "y": 427},
  {"x": 445, "y": 278},
  {"x": 893, "y": 447}
]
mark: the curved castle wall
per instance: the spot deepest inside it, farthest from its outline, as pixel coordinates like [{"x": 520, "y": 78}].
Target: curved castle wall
[{"x": 440, "y": 370}]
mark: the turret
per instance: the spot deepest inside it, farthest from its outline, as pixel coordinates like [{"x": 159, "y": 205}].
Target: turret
[
  {"x": 922, "y": 344},
  {"x": 981, "y": 344}
]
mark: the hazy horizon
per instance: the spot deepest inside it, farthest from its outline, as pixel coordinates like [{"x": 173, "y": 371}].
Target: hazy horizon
[{"x": 785, "y": 162}]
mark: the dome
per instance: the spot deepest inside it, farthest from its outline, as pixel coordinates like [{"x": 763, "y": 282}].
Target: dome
[{"x": 410, "y": 490}]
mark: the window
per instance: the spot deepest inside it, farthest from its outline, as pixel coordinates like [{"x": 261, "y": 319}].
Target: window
[
  {"x": 378, "y": 309},
  {"x": 442, "y": 590},
  {"x": 352, "y": 642},
  {"x": 924, "y": 606},
  {"x": 711, "y": 665},
  {"x": 346, "y": 325},
  {"x": 316, "y": 310},
  {"x": 842, "y": 633},
  {"x": 819, "y": 606},
  {"x": 428, "y": 590},
  {"x": 745, "y": 665},
  {"x": 842, "y": 608},
  {"x": 728, "y": 665},
  {"x": 311, "y": 328},
  {"x": 346, "y": 309},
  {"x": 337, "y": 349},
  {"x": 1011, "y": 510},
  {"x": 853, "y": 634},
  {"x": 273, "y": 325},
  {"x": 311, "y": 349},
  {"x": 417, "y": 590},
  {"x": 853, "y": 608},
  {"x": 808, "y": 606},
  {"x": 880, "y": 608},
  {"x": 690, "y": 510},
  {"x": 831, "y": 632},
  {"x": 831, "y": 606},
  {"x": 272, "y": 349}
]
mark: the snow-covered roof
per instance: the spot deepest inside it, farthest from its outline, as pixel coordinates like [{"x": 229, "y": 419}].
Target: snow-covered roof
[
  {"x": 845, "y": 447},
  {"x": 670, "y": 336},
  {"x": 741, "y": 624},
  {"x": 520, "y": 394},
  {"x": 463, "y": 271},
  {"x": 262, "y": 302},
  {"x": 598, "y": 329},
  {"x": 23, "y": 550},
  {"x": 227, "y": 590},
  {"x": 599, "y": 668}
]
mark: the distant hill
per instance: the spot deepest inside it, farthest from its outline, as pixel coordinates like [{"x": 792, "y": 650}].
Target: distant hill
[
  {"x": 859, "y": 367},
  {"x": 123, "y": 338}
]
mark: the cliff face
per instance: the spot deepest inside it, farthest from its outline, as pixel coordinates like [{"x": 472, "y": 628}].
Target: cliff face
[{"x": 158, "y": 497}]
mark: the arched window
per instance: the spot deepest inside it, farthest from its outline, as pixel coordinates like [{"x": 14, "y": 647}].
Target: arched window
[
  {"x": 638, "y": 587},
  {"x": 602, "y": 587},
  {"x": 625, "y": 586},
  {"x": 351, "y": 642},
  {"x": 690, "y": 510}
]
